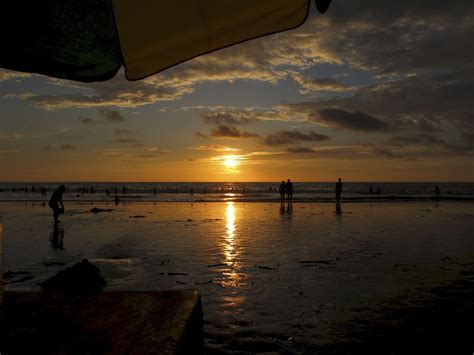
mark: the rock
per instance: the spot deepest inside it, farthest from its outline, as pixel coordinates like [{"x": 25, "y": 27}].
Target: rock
[
  {"x": 264, "y": 267},
  {"x": 82, "y": 278},
  {"x": 98, "y": 210},
  {"x": 8, "y": 275},
  {"x": 214, "y": 265},
  {"x": 53, "y": 263}
]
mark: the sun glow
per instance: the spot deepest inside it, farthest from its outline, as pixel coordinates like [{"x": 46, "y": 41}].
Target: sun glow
[{"x": 230, "y": 161}]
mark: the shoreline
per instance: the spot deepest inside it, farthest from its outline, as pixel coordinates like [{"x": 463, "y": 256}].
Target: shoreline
[{"x": 385, "y": 199}]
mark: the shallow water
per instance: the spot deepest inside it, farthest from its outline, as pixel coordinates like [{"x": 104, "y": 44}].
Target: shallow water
[
  {"x": 238, "y": 191},
  {"x": 271, "y": 280}
]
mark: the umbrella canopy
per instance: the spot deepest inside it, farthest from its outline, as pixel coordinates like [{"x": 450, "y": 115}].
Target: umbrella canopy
[{"x": 89, "y": 40}]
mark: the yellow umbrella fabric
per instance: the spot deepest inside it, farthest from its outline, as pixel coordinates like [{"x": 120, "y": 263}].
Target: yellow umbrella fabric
[{"x": 155, "y": 35}]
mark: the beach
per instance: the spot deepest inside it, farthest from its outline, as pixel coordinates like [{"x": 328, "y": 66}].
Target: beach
[{"x": 271, "y": 280}]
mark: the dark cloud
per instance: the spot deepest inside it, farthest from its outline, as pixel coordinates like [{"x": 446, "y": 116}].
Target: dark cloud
[
  {"x": 123, "y": 132},
  {"x": 86, "y": 120},
  {"x": 67, "y": 147},
  {"x": 112, "y": 115},
  {"x": 402, "y": 37},
  {"x": 64, "y": 147},
  {"x": 223, "y": 131},
  {"x": 426, "y": 140},
  {"x": 125, "y": 140},
  {"x": 468, "y": 137},
  {"x": 223, "y": 118},
  {"x": 200, "y": 135},
  {"x": 385, "y": 152},
  {"x": 299, "y": 150},
  {"x": 357, "y": 121},
  {"x": 292, "y": 137}
]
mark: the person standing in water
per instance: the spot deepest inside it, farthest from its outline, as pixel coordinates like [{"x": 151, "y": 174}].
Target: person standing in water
[
  {"x": 282, "y": 191},
  {"x": 338, "y": 189},
  {"x": 289, "y": 191},
  {"x": 436, "y": 191},
  {"x": 56, "y": 203}
]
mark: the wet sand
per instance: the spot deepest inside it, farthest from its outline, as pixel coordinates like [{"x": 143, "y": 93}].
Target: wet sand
[{"x": 305, "y": 280}]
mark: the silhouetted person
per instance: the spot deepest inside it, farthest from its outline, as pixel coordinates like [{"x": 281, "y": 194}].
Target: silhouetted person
[
  {"x": 33, "y": 189},
  {"x": 56, "y": 202},
  {"x": 192, "y": 190},
  {"x": 107, "y": 192},
  {"x": 92, "y": 190},
  {"x": 436, "y": 191},
  {"x": 289, "y": 191},
  {"x": 282, "y": 191},
  {"x": 154, "y": 191},
  {"x": 371, "y": 191},
  {"x": 338, "y": 190},
  {"x": 43, "y": 192},
  {"x": 378, "y": 191},
  {"x": 124, "y": 190},
  {"x": 116, "y": 200},
  {"x": 26, "y": 189}
]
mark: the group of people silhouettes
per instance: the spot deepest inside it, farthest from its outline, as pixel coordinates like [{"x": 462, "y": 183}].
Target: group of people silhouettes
[{"x": 286, "y": 189}]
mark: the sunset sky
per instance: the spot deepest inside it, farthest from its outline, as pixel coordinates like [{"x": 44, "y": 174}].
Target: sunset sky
[{"x": 371, "y": 91}]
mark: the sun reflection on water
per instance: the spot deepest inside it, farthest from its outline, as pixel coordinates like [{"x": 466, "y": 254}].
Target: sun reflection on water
[
  {"x": 229, "y": 248},
  {"x": 232, "y": 278},
  {"x": 229, "y": 196}
]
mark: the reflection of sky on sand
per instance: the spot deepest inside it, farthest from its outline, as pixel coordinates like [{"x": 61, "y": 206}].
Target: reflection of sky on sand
[{"x": 290, "y": 272}]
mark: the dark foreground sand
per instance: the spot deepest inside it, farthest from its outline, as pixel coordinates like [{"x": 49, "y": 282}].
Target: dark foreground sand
[{"x": 378, "y": 278}]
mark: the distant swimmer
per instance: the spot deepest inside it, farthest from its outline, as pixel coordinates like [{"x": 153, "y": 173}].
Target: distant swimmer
[
  {"x": 282, "y": 191},
  {"x": 154, "y": 191},
  {"x": 289, "y": 191},
  {"x": 107, "y": 192},
  {"x": 338, "y": 189},
  {"x": 436, "y": 191},
  {"x": 33, "y": 189},
  {"x": 43, "y": 192},
  {"x": 56, "y": 202},
  {"x": 116, "y": 200}
]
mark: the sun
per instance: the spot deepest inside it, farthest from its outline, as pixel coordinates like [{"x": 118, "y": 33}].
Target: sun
[{"x": 230, "y": 161}]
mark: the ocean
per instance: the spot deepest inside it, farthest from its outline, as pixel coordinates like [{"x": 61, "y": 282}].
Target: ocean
[{"x": 236, "y": 191}]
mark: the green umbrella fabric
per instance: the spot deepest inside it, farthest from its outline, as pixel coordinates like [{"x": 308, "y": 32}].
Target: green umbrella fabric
[{"x": 89, "y": 40}]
